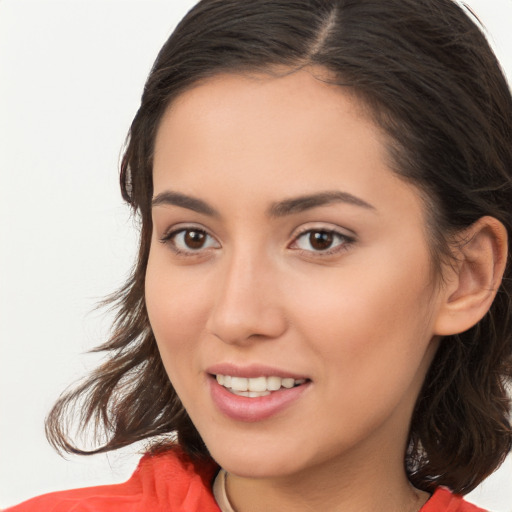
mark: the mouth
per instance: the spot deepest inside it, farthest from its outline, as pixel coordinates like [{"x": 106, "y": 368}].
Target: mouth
[
  {"x": 255, "y": 387},
  {"x": 255, "y": 393}
]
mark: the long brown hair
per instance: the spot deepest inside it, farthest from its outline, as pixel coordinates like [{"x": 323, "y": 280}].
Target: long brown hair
[{"x": 432, "y": 83}]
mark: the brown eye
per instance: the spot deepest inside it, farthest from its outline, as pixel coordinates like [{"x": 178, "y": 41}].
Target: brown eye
[
  {"x": 194, "y": 239},
  {"x": 321, "y": 240},
  {"x": 190, "y": 240}
]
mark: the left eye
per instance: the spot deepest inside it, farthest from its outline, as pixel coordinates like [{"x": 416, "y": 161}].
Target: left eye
[
  {"x": 191, "y": 239},
  {"x": 319, "y": 240}
]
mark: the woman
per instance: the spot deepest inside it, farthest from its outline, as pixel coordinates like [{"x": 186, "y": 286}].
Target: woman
[{"x": 321, "y": 304}]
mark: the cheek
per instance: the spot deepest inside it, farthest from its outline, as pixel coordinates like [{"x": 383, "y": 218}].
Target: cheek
[
  {"x": 371, "y": 337},
  {"x": 374, "y": 313},
  {"x": 176, "y": 305},
  {"x": 176, "y": 309}
]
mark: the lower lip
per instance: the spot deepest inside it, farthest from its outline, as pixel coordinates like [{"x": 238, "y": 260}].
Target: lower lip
[{"x": 242, "y": 408}]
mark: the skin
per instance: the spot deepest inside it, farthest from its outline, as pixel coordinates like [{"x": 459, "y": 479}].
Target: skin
[{"x": 358, "y": 319}]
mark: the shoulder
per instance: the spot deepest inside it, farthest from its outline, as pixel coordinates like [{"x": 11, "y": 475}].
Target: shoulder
[
  {"x": 445, "y": 501},
  {"x": 164, "y": 482}
]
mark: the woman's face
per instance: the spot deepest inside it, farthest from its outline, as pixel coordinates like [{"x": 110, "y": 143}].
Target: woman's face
[{"x": 286, "y": 253}]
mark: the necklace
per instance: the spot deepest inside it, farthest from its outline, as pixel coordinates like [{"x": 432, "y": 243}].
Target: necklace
[
  {"x": 221, "y": 496},
  {"x": 219, "y": 492}
]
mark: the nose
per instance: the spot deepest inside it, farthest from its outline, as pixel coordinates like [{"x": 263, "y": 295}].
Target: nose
[{"x": 247, "y": 306}]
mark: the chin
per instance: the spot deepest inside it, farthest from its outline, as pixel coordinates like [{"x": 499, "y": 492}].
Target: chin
[
  {"x": 258, "y": 466},
  {"x": 258, "y": 458}
]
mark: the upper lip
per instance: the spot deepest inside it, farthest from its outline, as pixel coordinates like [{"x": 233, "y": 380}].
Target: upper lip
[{"x": 252, "y": 371}]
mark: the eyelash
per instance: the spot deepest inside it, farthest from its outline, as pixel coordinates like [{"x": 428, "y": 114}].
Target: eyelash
[
  {"x": 170, "y": 240},
  {"x": 344, "y": 241}
]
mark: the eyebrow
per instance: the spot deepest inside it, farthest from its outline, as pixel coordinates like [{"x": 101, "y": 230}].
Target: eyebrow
[
  {"x": 279, "y": 209},
  {"x": 306, "y": 202},
  {"x": 184, "y": 201}
]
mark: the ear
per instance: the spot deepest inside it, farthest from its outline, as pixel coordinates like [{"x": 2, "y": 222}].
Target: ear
[{"x": 471, "y": 283}]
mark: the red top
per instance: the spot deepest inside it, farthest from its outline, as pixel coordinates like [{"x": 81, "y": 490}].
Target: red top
[{"x": 170, "y": 482}]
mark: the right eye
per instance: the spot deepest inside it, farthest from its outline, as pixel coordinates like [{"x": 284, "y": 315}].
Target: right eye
[{"x": 190, "y": 241}]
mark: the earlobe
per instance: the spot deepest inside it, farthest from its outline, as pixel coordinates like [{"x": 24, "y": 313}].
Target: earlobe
[{"x": 480, "y": 256}]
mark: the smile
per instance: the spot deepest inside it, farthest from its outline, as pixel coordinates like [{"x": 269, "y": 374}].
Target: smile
[{"x": 256, "y": 386}]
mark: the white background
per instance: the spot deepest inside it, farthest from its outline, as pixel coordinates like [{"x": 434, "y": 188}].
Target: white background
[{"x": 71, "y": 74}]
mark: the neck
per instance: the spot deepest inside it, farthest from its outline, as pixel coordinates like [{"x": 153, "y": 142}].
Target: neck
[
  {"x": 348, "y": 489},
  {"x": 263, "y": 495}
]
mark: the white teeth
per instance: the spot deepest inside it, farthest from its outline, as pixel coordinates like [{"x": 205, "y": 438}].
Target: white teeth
[
  {"x": 239, "y": 384},
  {"x": 250, "y": 394},
  {"x": 253, "y": 394},
  {"x": 273, "y": 383},
  {"x": 256, "y": 386},
  {"x": 288, "y": 383}
]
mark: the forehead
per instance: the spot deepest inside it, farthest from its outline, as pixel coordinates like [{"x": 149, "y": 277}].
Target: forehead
[
  {"x": 276, "y": 118},
  {"x": 248, "y": 138}
]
